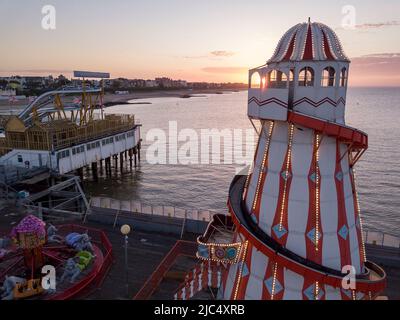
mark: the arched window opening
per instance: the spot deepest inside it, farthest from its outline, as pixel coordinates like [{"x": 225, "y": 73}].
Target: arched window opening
[
  {"x": 277, "y": 79},
  {"x": 306, "y": 77},
  {"x": 255, "y": 81},
  {"x": 263, "y": 82},
  {"x": 343, "y": 77},
  {"x": 328, "y": 77}
]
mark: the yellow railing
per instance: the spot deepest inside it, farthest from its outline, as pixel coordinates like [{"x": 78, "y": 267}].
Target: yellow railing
[{"x": 50, "y": 138}]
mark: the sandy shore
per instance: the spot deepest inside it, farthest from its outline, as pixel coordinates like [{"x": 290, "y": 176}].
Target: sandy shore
[{"x": 113, "y": 99}]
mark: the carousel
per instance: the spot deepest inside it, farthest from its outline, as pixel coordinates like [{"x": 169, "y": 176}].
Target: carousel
[{"x": 80, "y": 257}]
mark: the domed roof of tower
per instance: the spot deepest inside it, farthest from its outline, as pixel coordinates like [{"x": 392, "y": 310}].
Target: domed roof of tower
[{"x": 309, "y": 41}]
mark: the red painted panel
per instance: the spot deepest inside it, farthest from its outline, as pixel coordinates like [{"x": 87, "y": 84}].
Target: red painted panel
[{"x": 308, "y": 50}]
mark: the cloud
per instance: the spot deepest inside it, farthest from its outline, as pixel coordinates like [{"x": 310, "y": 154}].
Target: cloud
[
  {"x": 212, "y": 55},
  {"x": 378, "y": 25},
  {"x": 225, "y": 70},
  {"x": 392, "y": 59},
  {"x": 222, "y": 53},
  {"x": 195, "y": 57},
  {"x": 381, "y": 56},
  {"x": 376, "y": 69}
]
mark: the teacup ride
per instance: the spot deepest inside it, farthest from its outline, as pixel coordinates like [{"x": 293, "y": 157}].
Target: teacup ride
[{"x": 80, "y": 266}]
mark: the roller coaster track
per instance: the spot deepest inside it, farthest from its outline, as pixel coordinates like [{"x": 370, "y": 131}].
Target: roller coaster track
[{"x": 45, "y": 102}]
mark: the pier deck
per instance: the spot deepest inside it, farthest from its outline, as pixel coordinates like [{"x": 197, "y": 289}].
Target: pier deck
[
  {"x": 145, "y": 252},
  {"x": 147, "y": 249}
]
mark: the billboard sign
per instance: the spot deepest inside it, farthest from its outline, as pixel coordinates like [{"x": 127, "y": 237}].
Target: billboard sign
[{"x": 88, "y": 74}]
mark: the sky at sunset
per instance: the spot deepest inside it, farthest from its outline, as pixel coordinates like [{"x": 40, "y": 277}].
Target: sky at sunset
[{"x": 207, "y": 40}]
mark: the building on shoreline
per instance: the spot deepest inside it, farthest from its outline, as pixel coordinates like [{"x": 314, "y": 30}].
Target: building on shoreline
[{"x": 28, "y": 85}]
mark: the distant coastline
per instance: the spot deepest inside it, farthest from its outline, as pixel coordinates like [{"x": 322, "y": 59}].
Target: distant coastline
[
  {"x": 115, "y": 99},
  {"x": 120, "y": 99}
]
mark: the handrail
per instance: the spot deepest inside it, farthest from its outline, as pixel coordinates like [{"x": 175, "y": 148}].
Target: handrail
[
  {"x": 205, "y": 275},
  {"x": 95, "y": 130},
  {"x": 379, "y": 238},
  {"x": 341, "y": 131},
  {"x": 157, "y": 210},
  {"x": 181, "y": 247}
]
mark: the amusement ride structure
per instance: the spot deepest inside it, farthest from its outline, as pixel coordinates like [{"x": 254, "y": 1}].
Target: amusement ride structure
[
  {"x": 295, "y": 228},
  {"x": 67, "y": 129},
  {"x": 81, "y": 258}
]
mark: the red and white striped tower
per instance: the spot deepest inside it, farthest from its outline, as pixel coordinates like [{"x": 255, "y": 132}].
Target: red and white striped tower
[{"x": 297, "y": 213}]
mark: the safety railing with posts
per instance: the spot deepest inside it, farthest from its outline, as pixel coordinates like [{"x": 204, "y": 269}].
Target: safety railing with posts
[
  {"x": 59, "y": 134},
  {"x": 181, "y": 248},
  {"x": 370, "y": 236},
  {"x": 97, "y": 129},
  {"x": 381, "y": 239},
  {"x": 138, "y": 207},
  {"x": 205, "y": 275}
]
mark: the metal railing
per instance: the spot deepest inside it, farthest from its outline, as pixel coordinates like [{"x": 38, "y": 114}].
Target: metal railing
[
  {"x": 147, "y": 209},
  {"x": 61, "y": 134},
  {"x": 10, "y": 174},
  {"x": 181, "y": 248},
  {"x": 381, "y": 239},
  {"x": 370, "y": 236},
  {"x": 205, "y": 275}
]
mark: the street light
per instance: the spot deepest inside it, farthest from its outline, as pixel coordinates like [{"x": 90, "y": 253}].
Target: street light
[{"x": 125, "y": 230}]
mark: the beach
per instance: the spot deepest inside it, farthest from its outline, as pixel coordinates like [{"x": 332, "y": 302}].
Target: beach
[{"x": 115, "y": 99}]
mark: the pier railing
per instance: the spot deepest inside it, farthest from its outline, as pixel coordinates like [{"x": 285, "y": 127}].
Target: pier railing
[
  {"x": 370, "y": 236},
  {"x": 60, "y": 134},
  {"x": 381, "y": 239},
  {"x": 147, "y": 209}
]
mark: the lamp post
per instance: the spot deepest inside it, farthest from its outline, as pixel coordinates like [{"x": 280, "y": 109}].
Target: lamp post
[{"x": 125, "y": 230}]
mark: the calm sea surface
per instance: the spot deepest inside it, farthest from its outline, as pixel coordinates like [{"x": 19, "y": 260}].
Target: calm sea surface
[{"x": 375, "y": 111}]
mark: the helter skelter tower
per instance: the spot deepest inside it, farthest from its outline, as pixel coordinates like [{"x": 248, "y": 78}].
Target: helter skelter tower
[{"x": 296, "y": 215}]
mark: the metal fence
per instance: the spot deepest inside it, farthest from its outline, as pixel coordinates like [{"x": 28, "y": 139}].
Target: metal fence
[
  {"x": 381, "y": 239},
  {"x": 370, "y": 236},
  {"x": 147, "y": 209}
]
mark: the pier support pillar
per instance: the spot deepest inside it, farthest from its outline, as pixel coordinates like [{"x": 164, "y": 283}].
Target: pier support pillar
[
  {"x": 115, "y": 161},
  {"x": 135, "y": 155},
  {"x": 80, "y": 173},
  {"x": 101, "y": 166},
  {"x": 139, "y": 147},
  {"x": 121, "y": 160},
  {"x": 94, "y": 171},
  {"x": 130, "y": 157},
  {"x": 108, "y": 166}
]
